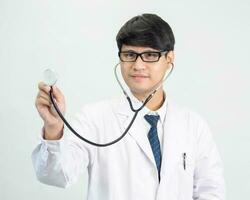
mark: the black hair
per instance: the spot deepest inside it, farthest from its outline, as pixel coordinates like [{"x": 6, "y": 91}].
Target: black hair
[{"x": 146, "y": 30}]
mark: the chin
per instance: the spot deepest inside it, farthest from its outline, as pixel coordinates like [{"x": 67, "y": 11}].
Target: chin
[
  {"x": 141, "y": 91},
  {"x": 140, "y": 88}
]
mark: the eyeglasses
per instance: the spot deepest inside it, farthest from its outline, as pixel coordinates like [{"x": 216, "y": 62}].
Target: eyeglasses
[{"x": 147, "y": 56}]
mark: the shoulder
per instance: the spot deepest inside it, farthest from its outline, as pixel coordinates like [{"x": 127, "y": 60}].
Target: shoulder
[
  {"x": 184, "y": 111},
  {"x": 192, "y": 119}
]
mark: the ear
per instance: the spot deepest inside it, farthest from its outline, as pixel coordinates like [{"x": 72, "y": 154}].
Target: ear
[{"x": 170, "y": 57}]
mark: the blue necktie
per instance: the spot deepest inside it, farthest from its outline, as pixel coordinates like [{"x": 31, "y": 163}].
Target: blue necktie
[{"x": 154, "y": 140}]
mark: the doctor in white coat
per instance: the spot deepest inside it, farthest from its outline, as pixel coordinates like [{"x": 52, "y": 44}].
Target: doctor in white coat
[{"x": 181, "y": 164}]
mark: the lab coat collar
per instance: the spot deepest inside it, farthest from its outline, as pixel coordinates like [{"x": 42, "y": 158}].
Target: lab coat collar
[{"x": 125, "y": 115}]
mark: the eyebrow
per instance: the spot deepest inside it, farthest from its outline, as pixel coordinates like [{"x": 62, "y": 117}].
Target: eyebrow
[{"x": 146, "y": 51}]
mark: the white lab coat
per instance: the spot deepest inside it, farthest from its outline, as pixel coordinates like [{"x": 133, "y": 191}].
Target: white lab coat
[{"x": 127, "y": 170}]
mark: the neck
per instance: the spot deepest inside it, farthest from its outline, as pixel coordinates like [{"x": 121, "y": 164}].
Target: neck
[{"x": 155, "y": 102}]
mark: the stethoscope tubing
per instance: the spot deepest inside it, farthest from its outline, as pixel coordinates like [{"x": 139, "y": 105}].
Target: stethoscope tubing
[
  {"x": 86, "y": 140},
  {"x": 136, "y": 111}
]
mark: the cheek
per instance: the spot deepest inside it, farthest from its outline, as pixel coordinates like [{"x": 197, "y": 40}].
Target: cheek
[
  {"x": 158, "y": 72},
  {"x": 125, "y": 68},
  {"x": 124, "y": 72}
]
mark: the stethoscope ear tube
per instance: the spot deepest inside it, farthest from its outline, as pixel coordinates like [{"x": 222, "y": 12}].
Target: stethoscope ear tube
[
  {"x": 157, "y": 86},
  {"x": 136, "y": 111}
]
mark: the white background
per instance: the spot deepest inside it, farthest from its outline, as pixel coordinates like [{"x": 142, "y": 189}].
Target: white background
[{"x": 77, "y": 39}]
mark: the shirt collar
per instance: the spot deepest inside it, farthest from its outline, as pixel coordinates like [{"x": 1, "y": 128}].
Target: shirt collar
[{"x": 161, "y": 111}]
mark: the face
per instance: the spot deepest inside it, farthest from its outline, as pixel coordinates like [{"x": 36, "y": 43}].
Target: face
[{"x": 142, "y": 77}]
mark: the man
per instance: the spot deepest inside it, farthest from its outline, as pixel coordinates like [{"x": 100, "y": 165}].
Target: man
[{"x": 168, "y": 153}]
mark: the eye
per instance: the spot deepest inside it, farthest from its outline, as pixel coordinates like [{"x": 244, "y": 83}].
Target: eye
[
  {"x": 150, "y": 55},
  {"x": 129, "y": 55}
]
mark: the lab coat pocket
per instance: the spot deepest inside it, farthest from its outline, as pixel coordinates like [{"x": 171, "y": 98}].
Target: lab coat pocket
[{"x": 185, "y": 170}]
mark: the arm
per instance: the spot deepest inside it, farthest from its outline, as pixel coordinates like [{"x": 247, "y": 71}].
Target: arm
[
  {"x": 59, "y": 162},
  {"x": 59, "y": 158}
]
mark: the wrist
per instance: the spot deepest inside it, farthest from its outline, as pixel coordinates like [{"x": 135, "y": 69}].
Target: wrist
[{"x": 53, "y": 132}]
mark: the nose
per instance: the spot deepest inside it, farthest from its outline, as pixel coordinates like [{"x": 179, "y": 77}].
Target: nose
[{"x": 139, "y": 64}]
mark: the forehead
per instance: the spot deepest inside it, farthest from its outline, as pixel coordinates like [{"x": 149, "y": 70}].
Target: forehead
[{"x": 136, "y": 48}]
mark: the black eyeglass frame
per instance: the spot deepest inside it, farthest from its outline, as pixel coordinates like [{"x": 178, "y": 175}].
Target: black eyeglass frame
[{"x": 160, "y": 54}]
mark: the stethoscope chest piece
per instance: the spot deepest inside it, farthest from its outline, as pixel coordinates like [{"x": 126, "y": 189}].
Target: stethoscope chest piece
[{"x": 49, "y": 77}]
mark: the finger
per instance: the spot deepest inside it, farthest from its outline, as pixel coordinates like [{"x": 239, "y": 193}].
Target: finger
[
  {"x": 43, "y": 94},
  {"x": 42, "y": 86},
  {"x": 47, "y": 99},
  {"x": 43, "y": 102}
]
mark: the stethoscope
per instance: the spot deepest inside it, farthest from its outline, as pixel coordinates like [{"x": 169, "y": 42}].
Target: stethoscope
[{"x": 51, "y": 78}]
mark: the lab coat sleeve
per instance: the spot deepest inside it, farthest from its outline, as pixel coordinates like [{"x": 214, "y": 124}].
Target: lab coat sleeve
[
  {"x": 208, "y": 178},
  {"x": 59, "y": 162}
]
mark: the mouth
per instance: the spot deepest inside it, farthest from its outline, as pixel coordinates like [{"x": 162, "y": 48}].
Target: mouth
[{"x": 139, "y": 77}]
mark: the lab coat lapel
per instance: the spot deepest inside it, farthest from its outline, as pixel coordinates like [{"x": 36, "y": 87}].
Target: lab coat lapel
[
  {"x": 140, "y": 136},
  {"x": 125, "y": 116},
  {"x": 173, "y": 130},
  {"x": 172, "y": 142}
]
